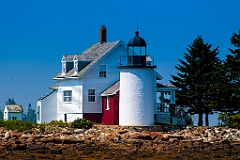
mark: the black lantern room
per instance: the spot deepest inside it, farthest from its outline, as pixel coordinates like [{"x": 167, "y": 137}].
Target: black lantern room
[{"x": 136, "y": 51}]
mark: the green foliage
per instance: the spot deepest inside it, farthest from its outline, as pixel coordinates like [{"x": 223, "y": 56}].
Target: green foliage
[
  {"x": 59, "y": 123},
  {"x": 16, "y": 125},
  {"x": 230, "y": 102},
  {"x": 2, "y": 123},
  {"x": 30, "y": 116},
  {"x": 1, "y": 114},
  {"x": 82, "y": 123},
  {"x": 42, "y": 127},
  {"x": 10, "y": 101},
  {"x": 196, "y": 77},
  {"x": 231, "y": 120}
]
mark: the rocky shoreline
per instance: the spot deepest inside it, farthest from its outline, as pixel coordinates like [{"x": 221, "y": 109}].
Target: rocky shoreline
[{"x": 119, "y": 142}]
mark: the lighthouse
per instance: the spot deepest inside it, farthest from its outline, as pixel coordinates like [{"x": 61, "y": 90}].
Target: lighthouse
[{"x": 137, "y": 86}]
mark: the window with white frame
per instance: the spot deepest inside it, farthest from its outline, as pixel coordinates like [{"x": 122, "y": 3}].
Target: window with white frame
[
  {"x": 102, "y": 71},
  {"x": 75, "y": 67},
  {"x": 67, "y": 96},
  {"x": 38, "y": 113},
  {"x": 64, "y": 68},
  {"x": 91, "y": 95}
]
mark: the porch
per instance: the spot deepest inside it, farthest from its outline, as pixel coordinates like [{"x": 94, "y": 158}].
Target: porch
[{"x": 165, "y": 110}]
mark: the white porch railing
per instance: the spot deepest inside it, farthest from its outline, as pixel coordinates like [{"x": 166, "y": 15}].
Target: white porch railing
[{"x": 162, "y": 108}]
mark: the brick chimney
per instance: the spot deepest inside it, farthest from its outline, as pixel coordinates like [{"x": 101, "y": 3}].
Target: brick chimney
[{"x": 103, "y": 34}]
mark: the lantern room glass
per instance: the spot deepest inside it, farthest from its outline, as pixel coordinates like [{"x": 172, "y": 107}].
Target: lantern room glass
[{"x": 136, "y": 50}]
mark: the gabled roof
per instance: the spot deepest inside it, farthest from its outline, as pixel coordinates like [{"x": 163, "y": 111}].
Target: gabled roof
[
  {"x": 90, "y": 55},
  {"x": 15, "y": 108},
  {"x": 111, "y": 90},
  {"x": 67, "y": 58}
]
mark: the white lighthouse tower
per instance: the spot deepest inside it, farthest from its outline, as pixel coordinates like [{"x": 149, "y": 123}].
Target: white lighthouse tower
[{"x": 137, "y": 86}]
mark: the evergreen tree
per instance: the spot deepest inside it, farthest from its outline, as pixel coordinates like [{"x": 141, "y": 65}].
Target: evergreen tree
[
  {"x": 232, "y": 86},
  {"x": 195, "y": 79},
  {"x": 30, "y": 116},
  {"x": 10, "y": 101},
  {"x": 219, "y": 90},
  {"x": 1, "y": 114}
]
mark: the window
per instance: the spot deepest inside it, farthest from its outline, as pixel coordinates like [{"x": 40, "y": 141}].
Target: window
[
  {"x": 75, "y": 67},
  {"x": 38, "y": 113},
  {"x": 63, "y": 68},
  {"x": 14, "y": 118},
  {"x": 102, "y": 71},
  {"x": 91, "y": 95},
  {"x": 65, "y": 117},
  {"x": 67, "y": 96}
]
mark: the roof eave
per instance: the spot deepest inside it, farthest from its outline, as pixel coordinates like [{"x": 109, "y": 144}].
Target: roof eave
[{"x": 110, "y": 94}]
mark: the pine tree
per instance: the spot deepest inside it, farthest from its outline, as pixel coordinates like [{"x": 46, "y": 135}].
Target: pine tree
[
  {"x": 30, "y": 116},
  {"x": 232, "y": 65},
  {"x": 1, "y": 114},
  {"x": 10, "y": 101},
  {"x": 195, "y": 78}
]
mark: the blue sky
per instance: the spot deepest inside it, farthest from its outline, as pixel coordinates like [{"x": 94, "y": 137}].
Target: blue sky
[{"x": 35, "y": 34}]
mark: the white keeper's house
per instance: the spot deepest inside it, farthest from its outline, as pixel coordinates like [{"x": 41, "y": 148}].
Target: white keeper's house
[{"x": 110, "y": 83}]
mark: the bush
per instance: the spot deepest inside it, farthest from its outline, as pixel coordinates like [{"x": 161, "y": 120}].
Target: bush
[
  {"x": 2, "y": 123},
  {"x": 59, "y": 123},
  {"x": 42, "y": 128},
  {"x": 82, "y": 123},
  {"x": 16, "y": 125},
  {"x": 230, "y": 120}
]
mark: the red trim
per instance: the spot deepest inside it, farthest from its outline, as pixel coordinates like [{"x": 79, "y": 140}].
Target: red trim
[{"x": 94, "y": 117}]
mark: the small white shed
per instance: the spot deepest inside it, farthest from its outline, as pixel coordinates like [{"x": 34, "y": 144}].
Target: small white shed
[{"x": 13, "y": 112}]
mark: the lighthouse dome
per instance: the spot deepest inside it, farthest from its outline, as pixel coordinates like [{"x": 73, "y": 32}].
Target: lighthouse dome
[{"x": 137, "y": 41}]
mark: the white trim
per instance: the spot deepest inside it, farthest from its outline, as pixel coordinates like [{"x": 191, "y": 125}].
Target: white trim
[
  {"x": 75, "y": 67},
  {"x": 64, "y": 68},
  {"x": 66, "y": 96},
  {"x": 108, "y": 103},
  {"x": 95, "y": 98},
  {"x": 39, "y": 112}
]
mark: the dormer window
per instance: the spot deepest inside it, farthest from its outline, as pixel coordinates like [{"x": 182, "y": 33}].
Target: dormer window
[
  {"x": 75, "y": 67},
  {"x": 64, "y": 68},
  {"x": 67, "y": 64}
]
